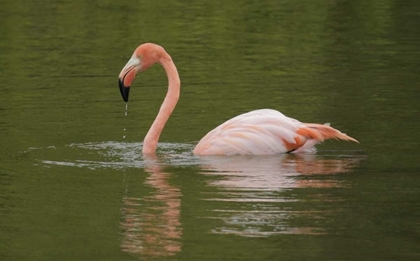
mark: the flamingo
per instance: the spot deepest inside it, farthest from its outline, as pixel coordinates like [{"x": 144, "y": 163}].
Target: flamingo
[{"x": 258, "y": 132}]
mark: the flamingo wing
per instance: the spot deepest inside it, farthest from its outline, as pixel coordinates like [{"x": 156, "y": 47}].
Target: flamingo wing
[
  {"x": 264, "y": 132},
  {"x": 258, "y": 132}
]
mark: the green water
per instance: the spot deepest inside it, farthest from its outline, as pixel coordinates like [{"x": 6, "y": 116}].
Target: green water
[{"x": 75, "y": 186}]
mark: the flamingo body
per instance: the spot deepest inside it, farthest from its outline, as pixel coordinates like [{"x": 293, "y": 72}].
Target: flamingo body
[
  {"x": 265, "y": 132},
  {"x": 259, "y": 132}
]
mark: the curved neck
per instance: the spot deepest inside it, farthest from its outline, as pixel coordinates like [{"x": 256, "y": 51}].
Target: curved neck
[{"x": 168, "y": 105}]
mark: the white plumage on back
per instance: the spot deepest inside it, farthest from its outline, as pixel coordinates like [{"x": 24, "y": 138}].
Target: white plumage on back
[
  {"x": 257, "y": 132},
  {"x": 265, "y": 132}
]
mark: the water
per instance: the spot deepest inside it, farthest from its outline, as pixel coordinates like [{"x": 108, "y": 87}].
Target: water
[
  {"x": 75, "y": 186},
  {"x": 125, "y": 114}
]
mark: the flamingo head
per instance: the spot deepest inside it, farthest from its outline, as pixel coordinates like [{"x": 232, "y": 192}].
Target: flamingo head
[{"x": 143, "y": 57}]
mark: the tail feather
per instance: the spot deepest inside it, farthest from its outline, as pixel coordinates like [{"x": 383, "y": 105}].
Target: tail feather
[{"x": 322, "y": 132}]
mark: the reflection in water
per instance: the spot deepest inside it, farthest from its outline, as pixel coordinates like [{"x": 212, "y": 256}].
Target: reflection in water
[
  {"x": 251, "y": 195},
  {"x": 266, "y": 173},
  {"x": 255, "y": 191},
  {"x": 151, "y": 225}
]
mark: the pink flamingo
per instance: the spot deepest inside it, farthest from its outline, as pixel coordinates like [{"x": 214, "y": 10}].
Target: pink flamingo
[{"x": 259, "y": 132}]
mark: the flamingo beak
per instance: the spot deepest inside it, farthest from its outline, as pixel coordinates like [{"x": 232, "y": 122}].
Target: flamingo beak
[
  {"x": 127, "y": 75},
  {"x": 125, "y": 90}
]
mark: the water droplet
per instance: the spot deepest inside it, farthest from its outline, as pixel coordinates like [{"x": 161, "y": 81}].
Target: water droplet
[{"x": 126, "y": 111}]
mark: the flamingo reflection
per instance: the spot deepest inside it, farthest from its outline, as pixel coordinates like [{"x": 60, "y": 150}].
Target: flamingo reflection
[
  {"x": 151, "y": 225},
  {"x": 278, "y": 172},
  {"x": 262, "y": 196}
]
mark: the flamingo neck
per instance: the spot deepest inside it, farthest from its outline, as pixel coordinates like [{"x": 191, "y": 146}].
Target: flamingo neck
[{"x": 168, "y": 105}]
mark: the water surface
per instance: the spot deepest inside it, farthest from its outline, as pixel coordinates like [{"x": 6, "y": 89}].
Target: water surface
[{"x": 75, "y": 186}]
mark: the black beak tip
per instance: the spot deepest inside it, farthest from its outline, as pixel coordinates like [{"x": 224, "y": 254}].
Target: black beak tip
[{"x": 125, "y": 90}]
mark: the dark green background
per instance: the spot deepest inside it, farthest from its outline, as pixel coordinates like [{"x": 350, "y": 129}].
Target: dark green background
[{"x": 72, "y": 188}]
